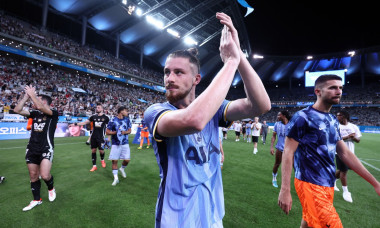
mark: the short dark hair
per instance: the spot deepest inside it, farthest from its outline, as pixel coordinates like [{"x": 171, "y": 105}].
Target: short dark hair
[
  {"x": 121, "y": 109},
  {"x": 345, "y": 114},
  {"x": 46, "y": 98},
  {"x": 190, "y": 54},
  {"x": 324, "y": 78},
  {"x": 286, "y": 114}
]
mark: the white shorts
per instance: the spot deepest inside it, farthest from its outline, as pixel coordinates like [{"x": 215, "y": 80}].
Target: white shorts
[{"x": 120, "y": 152}]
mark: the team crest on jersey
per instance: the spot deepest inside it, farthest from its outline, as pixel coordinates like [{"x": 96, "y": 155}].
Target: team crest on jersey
[{"x": 44, "y": 118}]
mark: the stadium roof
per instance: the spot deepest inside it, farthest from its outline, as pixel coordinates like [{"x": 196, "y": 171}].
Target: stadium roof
[{"x": 284, "y": 32}]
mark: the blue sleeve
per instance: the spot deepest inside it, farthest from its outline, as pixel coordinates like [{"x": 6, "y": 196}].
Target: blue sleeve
[
  {"x": 151, "y": 117},
  {"x": 110, "y": 126},
  {"x": 221, "y": 113},
  {"x": 129, "y": 125},
  {"x": 297, "y": 127}
]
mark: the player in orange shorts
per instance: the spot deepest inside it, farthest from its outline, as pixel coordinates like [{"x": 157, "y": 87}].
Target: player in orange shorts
[
  {"x": 311, "y": 141},
  {"x": 144, "y": 133}
]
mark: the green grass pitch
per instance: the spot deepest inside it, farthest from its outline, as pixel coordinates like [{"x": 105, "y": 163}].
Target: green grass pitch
[{"x": 86, "y": 199}]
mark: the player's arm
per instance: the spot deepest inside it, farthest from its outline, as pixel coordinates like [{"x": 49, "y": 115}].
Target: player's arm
[
  {"x": 221, "y": 150},
  {"x": 109, "y": 132},
  {"x": 357, "y": 135},
  {"x": 354, "y": 163},
  {"x": 81, "y": 123},
  {"x": 272, "y": 142},
  {"x": 285, "y": 198},
  {"x": 194, "y": 117},
  {"x": 19, "y": 107},
  {"x": 126, "y": 132},
  {"x": 257, "y": 101}
]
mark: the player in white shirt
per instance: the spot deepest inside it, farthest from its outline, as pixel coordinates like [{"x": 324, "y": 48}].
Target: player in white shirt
[
  {"x": 350, "y": 134},
  {"x": 237, "y": 129},
  {"x": 256, "y": 127}
]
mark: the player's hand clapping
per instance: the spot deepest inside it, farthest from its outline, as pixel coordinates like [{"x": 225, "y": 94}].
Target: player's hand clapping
[{"x": 228, "y": 48}]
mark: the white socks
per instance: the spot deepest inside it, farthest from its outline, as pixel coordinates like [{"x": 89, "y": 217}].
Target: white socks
[
  {"x": 114, "y": 172},
  {"x": 274, "y": 176},
  {"x": 345, "y": 188}
]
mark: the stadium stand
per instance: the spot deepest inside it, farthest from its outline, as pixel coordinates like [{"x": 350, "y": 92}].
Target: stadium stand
[{"x": 22, "y": 35}]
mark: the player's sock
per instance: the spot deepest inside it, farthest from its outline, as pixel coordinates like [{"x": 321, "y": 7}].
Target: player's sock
[
  {"x": 36, "y": 186},
  {"x": 102, "y": 156},
  {"x": 114, "y": 172},
  {"x": 93, "y": 155},
  {"x": 141, "y": 142},
  {"x": 345, "y": 188},
  {"x": 274, "y": 176},
  {"x": 50, "y": 183}
]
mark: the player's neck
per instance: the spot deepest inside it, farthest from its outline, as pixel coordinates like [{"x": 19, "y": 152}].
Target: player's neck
[
  {"x": 184, "y": 103},
  {"x": 321, "y": 106},
  {"x": 100, "y": 113},
  {"x": 120, "y": 116}
]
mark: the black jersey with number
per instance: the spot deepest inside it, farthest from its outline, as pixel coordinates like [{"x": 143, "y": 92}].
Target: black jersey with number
[
  {"x": 43, "y": 129},
  {"x": 99, "y": 124}
]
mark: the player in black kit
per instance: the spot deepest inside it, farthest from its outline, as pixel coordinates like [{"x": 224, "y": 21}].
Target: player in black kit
[
  {"x": 100, "y": 121},
  {"x": 40, "y": 149}
]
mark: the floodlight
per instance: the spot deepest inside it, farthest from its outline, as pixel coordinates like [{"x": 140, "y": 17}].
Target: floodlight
[
  {"x": 190, "y": 41},
  {"x": 155, "y": 22},
  {"x": 139, "y": 12},
  {"x": 173, "y": 32}
]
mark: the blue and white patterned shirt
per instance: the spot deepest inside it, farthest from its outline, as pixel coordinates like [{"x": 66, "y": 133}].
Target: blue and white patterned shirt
[
  {"x": 317, "y": 133},
  {"x": 119, "y": 125}
]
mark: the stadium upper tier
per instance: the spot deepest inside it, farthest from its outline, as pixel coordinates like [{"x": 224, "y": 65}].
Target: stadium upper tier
[{"x": 24, "y": 36}]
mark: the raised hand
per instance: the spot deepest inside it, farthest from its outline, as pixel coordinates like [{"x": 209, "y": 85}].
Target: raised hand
[
  {"x": 227, "y": 21},
  {"x": 30, "y": 90},
  {"x": 228, "y": 48}
]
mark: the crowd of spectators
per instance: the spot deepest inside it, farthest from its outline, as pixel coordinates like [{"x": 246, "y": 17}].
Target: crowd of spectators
[
  {"x": 58, "y": 83},
  {"x": 25, "y": 31}
]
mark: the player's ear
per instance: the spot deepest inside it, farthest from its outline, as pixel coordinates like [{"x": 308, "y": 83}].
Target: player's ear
[
  {"x": 317, "y": 91},
  {"x": 197, "y": 79}
]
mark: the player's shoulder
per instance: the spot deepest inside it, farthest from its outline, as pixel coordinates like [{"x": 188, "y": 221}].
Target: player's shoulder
[{"x": 158, "y": 107}]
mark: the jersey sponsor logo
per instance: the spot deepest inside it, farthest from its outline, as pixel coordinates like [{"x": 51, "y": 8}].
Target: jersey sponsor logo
[
  {"x": 98, "y": 124},
  {"x": 205, "y": 153},
  {"x": 39, "y": 126}
]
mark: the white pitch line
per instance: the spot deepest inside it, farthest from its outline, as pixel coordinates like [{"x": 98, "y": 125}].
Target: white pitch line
[
  {"x": 369, "y": 159},
  {"x": 19, "y": 147},
  {"x": 370, "y": 165}
]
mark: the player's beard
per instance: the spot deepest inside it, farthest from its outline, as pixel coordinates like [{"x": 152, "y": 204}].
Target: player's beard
[{"x": 175, "y": 97}]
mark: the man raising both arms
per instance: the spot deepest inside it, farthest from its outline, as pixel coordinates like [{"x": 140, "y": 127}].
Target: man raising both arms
[
  {"x": 185, "y": 132},
  {"x": 40, "y": 149},
  {"x": 99, "y": 121},
  {"x": 311, "y": 141}
]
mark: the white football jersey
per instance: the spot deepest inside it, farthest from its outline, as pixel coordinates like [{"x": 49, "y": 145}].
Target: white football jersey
[{"x": 348, "y": 129}]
